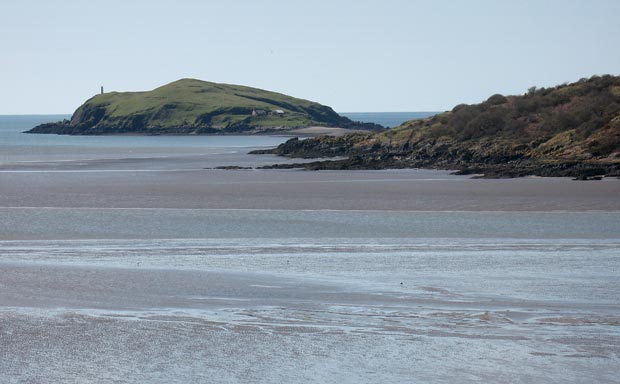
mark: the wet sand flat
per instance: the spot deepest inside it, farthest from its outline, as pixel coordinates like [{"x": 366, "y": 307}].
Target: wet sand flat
[
  {"x": 159, "y": 270},
  {"x": 132, "y": 324},
  {"x": 182, "y": 182}
]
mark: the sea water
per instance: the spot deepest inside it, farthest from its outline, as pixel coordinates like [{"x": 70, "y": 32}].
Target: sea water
[
  {"x": 16, "y": 146},
  {"x": 387, "y": 119}
]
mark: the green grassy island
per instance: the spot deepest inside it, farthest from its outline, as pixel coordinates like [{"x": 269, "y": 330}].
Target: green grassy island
[
  {"x": 190, "y": 106},
  {"x": 569, "y": 130}
]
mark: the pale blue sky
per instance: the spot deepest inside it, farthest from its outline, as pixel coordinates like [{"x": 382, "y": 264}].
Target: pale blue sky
[{"x": 384, "y": 55}]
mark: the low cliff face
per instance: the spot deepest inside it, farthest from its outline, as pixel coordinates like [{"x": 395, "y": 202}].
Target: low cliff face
[
  {"x": 191, "y": 106},
  {"x": 568, "y": 130}
]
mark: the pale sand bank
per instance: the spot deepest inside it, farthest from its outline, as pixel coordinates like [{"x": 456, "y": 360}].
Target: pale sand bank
[{"x": 317, "y": 131}]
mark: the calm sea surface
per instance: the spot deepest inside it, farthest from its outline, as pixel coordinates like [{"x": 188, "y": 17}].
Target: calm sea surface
[
  {"x": 128, "y": 259},
  {"x": 387, "y": 119},
  {"x": 16, "y": 146}
]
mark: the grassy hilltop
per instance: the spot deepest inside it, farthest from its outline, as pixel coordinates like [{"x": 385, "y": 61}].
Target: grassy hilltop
[
  {"x": 568, "y": 130},
  {"x": 190, "y": 106}
]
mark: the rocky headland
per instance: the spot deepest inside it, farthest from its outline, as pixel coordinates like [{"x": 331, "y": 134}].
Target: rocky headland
[{"x": 571, "y": 130}]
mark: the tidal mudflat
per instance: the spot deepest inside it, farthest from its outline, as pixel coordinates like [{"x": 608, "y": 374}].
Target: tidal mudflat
[{"x": 149, "y": 267}]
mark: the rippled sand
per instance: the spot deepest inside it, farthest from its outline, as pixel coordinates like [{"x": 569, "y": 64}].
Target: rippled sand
[{"x": 330, "y": 310}]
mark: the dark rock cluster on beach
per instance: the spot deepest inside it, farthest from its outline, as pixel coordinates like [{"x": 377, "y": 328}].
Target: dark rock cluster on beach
[{"x": 500, "y": 166}]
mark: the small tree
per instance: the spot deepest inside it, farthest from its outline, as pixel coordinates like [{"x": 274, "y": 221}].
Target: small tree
[{"x": 497, "y": 99}]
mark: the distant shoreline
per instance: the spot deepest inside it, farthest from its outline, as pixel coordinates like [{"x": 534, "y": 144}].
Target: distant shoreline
[{"x": 297, "y": 132}]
